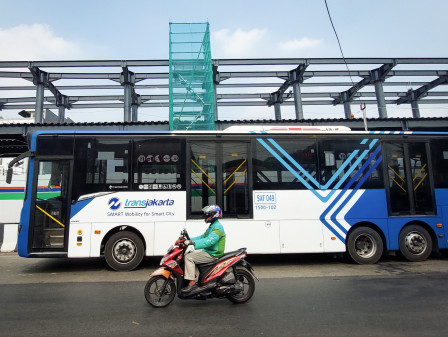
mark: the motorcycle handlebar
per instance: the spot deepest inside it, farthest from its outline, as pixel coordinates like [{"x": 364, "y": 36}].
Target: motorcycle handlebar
[{"x": 185, "y": 234}]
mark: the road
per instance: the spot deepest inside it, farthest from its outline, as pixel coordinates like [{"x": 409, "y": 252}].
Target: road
[{"x": 296, "y": 295}]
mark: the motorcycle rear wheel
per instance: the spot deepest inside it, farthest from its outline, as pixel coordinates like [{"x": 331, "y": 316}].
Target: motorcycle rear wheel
[
  {"x": 247, "y": 283},
  {"x": 154, "y": 294}
]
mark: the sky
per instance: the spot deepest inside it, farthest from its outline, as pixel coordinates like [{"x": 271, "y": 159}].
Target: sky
[{"x": 136, "y": 29}]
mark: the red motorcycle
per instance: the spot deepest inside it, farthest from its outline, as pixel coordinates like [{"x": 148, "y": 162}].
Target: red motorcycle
[{"x": 231, "y": 277}]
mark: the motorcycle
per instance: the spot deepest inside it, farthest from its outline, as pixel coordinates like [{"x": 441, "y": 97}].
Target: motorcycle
[{"x": 230, "y": 276}]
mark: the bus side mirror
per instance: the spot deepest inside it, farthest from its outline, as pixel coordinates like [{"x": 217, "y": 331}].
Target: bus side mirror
[{"x": 9, "y": 175}]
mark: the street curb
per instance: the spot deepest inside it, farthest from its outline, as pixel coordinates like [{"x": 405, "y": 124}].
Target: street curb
[{"x": 8, "y": 237}]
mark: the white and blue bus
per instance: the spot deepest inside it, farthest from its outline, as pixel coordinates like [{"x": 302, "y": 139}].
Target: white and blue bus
[{"x": 127, "y": 194}]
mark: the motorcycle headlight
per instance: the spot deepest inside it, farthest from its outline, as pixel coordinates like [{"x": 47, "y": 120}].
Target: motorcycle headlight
[
  {"x": 167, "y": 255},
  {"x": 163, "y": 259}
]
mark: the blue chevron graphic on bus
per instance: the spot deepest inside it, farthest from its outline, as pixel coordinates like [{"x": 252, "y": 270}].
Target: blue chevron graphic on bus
[
  {"x": 349, "y": 173},
  {"x": 319, "y": 190}
]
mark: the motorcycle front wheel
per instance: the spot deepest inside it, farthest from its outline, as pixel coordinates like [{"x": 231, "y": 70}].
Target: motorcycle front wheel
[
  {"x": 247, "y": 283},
  {"x": 154, "y": 293}
]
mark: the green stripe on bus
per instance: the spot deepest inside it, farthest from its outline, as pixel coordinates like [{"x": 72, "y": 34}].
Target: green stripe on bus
[
  {"x": 21, "y": 195},
  {"x": 48, "y": 195},
  {"x": 12, "y": 196}
]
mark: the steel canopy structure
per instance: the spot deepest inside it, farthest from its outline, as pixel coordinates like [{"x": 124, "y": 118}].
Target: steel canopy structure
[{"x": 237, "y": 82}]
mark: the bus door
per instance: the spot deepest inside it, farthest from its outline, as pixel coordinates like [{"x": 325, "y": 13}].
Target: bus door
[
  {"x": 410, "y": 188},
  {"x": 51, "y": 205},
  {"x": 219, "y": 175}
]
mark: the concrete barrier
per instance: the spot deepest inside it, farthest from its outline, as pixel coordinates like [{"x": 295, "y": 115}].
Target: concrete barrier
[{"x": 8, "y": 237}]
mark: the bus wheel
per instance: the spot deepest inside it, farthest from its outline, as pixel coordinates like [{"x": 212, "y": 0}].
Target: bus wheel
[
  {"x": 415, "y": 243},
  {"x": 364, "y": 245},
  {"x": 124, "y": 251}
]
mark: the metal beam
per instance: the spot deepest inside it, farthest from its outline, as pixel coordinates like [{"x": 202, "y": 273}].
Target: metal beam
[
  {"x": 222, "y": 62},
  {"x": 413, "y": 96},
  {"x": 295, "y": 78},
  {"x": 41, "y": 80},
  {"x": 265, "y": 96},
  {"x": 231, "y": 74},
  {"x": 221, "y": 104},
  {"x": 238, "y": 82},
  {"x": 423, "y": 91},
  {"x": 221, "y": 86},
  {"x": 378, "y": 74}
]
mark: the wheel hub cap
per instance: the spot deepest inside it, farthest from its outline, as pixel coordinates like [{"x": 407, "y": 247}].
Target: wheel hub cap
[
  {"x": 124, "y": 250},
  {"x": 415, "y": 243},
  {"x": 365, "y": 246}
]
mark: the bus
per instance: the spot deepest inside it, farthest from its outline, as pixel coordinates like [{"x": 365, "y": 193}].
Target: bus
[
  {"x": 11, "y": 196},
  {"x": 282, "y": 189},
  {"x": 11, "y": 202}
]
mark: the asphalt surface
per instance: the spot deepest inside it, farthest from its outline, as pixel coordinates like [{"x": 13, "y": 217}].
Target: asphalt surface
[
  {"x": 17, "y": 270},
  {"x": 296, "y": 295}
]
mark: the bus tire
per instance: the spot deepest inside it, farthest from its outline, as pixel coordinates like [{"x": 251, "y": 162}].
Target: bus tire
[
  {"x": 415, "y": 243},
  {"x": 364, "y": 245},
  {"x": 124, "y": 251}
]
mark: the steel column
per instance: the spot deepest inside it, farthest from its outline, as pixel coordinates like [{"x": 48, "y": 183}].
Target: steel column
[
  {"x": 347, "y": 110},
  {"x": 278, "y": 113},
  {"x": 216, "y": 103},
  {"x": 40, "y": 79},
  {"x": 134, "y": 109},
  {"x": 61, "y": 114},
  {"x": 127, "y": 102},
  {"x": 216, "y": 82},
  {"x": 64, "y": 103},
  {"x": 381, "y": 101},
  {"x": 127, "y": 80},
  {"x": 415, "y": 109},
  {"x": 297, "y": 100},
  {"x": 39, "y": 108}
]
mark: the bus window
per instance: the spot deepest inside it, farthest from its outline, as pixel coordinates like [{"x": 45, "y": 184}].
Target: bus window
[
  {"x": 420, "y": 178},
  {"x": 101, "y": 164},
  {"x": 219, "y": 175},
  {"x": 409, "y": 186},
  {"x": 202, "y": 176},
  {"x": 158, "y": 164},
  {"x": 396, "y": 171},
  {"x": 50, "y": 216},
  {"x": 234, "y": 179},
  {"x": 55, "y": 145},
  {"x": 341, "y": 161},
  {"x": 285, "y": 164},
  {"x": 440, "y": 163}
]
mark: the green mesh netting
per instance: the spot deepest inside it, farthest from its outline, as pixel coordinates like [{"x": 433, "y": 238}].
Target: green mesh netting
[{"x": 192, "y": 96}]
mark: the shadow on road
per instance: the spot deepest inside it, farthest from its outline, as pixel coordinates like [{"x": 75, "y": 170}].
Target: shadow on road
[{"x": 318, "y": 258}]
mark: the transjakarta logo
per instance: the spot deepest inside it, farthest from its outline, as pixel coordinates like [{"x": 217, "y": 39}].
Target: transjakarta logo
[{"x": 115, "y": 203}]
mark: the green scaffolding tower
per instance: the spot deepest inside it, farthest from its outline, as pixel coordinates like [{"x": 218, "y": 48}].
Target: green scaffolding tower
[{"x": 192, "y": 95}]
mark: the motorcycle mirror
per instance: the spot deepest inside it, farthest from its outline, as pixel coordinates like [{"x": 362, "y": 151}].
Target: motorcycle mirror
[{"x": 9, "y": 175}]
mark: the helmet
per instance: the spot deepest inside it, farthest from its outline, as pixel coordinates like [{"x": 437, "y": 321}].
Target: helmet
[{"x": 212, "y": 213}]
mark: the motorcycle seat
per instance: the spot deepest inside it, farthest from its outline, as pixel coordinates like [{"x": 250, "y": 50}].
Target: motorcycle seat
[{"x": 222, "y": 258}]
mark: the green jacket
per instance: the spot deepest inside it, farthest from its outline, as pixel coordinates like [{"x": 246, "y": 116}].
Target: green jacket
[{"x": 213, "y": 241}]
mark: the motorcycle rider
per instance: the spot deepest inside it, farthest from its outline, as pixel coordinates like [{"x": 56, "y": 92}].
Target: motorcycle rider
[{"x": 207, "y": 247}]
